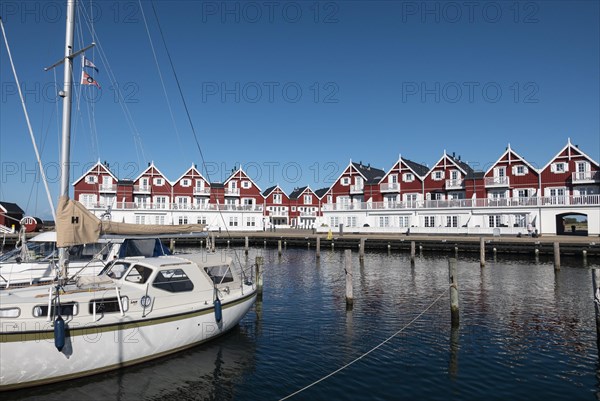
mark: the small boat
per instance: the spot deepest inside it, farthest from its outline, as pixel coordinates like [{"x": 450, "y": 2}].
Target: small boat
[{"x": 138, "y": 309}]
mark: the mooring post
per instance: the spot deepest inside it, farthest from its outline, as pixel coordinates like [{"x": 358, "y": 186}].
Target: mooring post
[
  {"x": 557, "y": 256},
  {"x": 456, "y": 252},
  {"x": 482, "y": 252},
  {"x": 584, "y": 253},
  {"x": 454, "y": 314},
  {"x": 213, "y": 244},
  {"x": 227, "y": 244},
  {"x": 279, "y": 247},
  {"x": 412, "y": 252},
  {"x": 246, "y": 245},
  {"x": 259, "y": 275},
  {"x": 318, "y": 247},
  {"x": 361, "y": 250},
  {"x": 596, "y": 288},
  {"x": 348, "y": 270},
  {"x": 172, "y": 245}
]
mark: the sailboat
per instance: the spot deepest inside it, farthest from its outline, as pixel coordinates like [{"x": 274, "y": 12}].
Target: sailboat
[{"x": 137, "y": 309}]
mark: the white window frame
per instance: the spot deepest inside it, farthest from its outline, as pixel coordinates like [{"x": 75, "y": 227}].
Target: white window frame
[
  {"x": 408, "y": 177},
  {"x": 345, "y": 181},
  {"x": 437, "y": 175},
  {"x": 91, "y": 179},
  {"x": 158, "y": 181}
]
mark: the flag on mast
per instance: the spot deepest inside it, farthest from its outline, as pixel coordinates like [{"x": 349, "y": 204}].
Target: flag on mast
[
  {"x": 86, "y": 79},
  {"x": 88, "y": 63}
]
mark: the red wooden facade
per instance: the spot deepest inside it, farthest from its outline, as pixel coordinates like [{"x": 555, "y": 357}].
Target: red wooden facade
[{"x": 511, "y": 176}]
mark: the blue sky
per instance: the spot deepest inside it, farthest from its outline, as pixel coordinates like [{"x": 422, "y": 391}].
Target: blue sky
[{"x": 294, "y": 90}]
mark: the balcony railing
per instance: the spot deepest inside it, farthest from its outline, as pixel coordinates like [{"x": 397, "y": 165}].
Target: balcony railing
[
  {"x": 232, "y": 192},
  {"x": 455, "y": 184},
  {"x": 497, "y": 181},
  {"x": 141, "y": 188},
  {"x": 278, "y": 213},
  {"x": 390, "y": 187},
  {"x": 108, "y": 188},
  {"x": 174, "y": 206},
  {"x": 586, "y": 177},
  {"x": 201, "y": 191}
]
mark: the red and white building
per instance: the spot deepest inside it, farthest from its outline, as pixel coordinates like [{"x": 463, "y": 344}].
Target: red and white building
[{"x": 450, "y": 197}]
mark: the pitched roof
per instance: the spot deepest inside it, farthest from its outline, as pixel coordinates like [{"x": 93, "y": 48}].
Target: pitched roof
[
  {"x": 418, "y": 168},
  {"x": 297, "y": 192},
  {"x": 104, "y": 166},
  {"x": 321, "y": 192},
  {"x": 372, "y": 175},
  {"x": 9, "y": 207},
  {"x": 268, "y": 191}
]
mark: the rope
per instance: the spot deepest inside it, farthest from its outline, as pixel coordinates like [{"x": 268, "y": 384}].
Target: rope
[{"x": 369, "y": 351}]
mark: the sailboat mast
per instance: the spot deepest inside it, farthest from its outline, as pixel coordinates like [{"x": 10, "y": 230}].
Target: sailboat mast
[
  {"x": 65, "y": 147},
  {"x": 66, "y": 94}
]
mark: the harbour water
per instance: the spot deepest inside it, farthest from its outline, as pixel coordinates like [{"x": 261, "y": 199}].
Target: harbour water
[{"x": 525, "y": 332}]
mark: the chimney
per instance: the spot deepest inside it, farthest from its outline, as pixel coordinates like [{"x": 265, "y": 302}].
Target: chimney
[{"x": 453, "y": 155}]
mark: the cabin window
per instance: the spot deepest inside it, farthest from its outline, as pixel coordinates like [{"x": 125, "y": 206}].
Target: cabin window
[
  {"x": 10, "y": 312},
  {"x": 219, "y": 274},
  {"x": 173, "y": 280},
  {"x": 91, "y": 179},
  {"x": 117, "y": 270},
  {"x": 138, "y": 274},
  {"x": 104, "y": 305},
  {"x": 68, "y": 309}
]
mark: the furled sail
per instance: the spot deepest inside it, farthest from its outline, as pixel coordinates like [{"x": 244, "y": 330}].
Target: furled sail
[{"x": 75, "y": 225}]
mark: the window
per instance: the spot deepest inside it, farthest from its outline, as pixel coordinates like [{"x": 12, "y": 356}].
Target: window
[
  {"x": 384, "y": 221},
  {"x": 183, "y": 219},
  {"x": 438, "y": 175},
  {"x": 293, "y": 208},
  {"x": 408, "y": 177},
  {"x": 185, "y": 182},
  {"x": 251, "y": 222},
  {"x": 345, "y": 181},
  {"x": 219, "y": 274},
  {"x": 233, "y": 221},
  {"x": 66, "y": 309},
  {"x": 201, "y": 220},
  {"x": 403, "y": 221},
  {"x": 495, "y": 220},
  {"x": 429, "y": 221},
  {"x": 308, "y": 199},
  {"x": 138, "y": 274},
  {"x": 520, "y": 170},
  {"x": 159, "y": 181},
  {"x": 520, "y": 220},
  {"x": 500, "y": 172},
  {"x": 106, "y": 305},
  {"x": 91, "y": 179},
  {"x": 160, "y": 202},
  {"x": 88, "y": 200},
  {"x": 451, "y": 221},
  {"x": 277, "y": 198},
  {"x": 334, "y": 221},
  {"x": 140, "y": 219},
  {"x": 559, "y": 167},
  {"x": 199, "y": 184},
  {"x": 159, "y": 220},
  {"x": 351, "y": 221},
  {"x": 173, "y": 280},
  {"x": 454, "y": 175},
  {"x": 246, "y": 184}
]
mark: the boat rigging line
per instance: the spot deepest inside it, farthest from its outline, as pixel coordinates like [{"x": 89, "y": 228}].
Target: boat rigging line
[
  {"x": 372, "y": 349},
  {"x": 35, "y": 148}
]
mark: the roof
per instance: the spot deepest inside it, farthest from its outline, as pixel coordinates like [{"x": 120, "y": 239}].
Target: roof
[
  {"x": 104, "y": 166},
  {"x": 321, "y": 192},
  {"x": 372, "y": 175},
  {"x": 217, "y": 185},
  {"x": 475, "y": 175},
  {"x": 297, "y": 192},
  {"x": 418, "y": 168},
  {"x": 11, "y": 208},
  {"x": 466, "y": 168},
  {"x": 268, "y": 191}
]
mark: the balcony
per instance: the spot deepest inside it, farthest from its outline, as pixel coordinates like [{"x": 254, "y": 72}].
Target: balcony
[
  {"x": 390, "y": 187},
  {"x": 357, "y": 189},
  {"x": 232, "y": 192},
  {"x": 497, "y": 182},
  {"x": 107, "y": 188},
  {"x": 201, "y": 191},
  {"x": 143, "y": 189},
  {"x": 586, "y": 177},
  {"x": 455, "y": 184}
]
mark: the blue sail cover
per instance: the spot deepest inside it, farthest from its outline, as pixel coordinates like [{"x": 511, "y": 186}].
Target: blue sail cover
[{"x": 147, "y": 247}]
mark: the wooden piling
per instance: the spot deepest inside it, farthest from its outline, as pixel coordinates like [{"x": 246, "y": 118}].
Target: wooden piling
[
  {"x": 318, "y": 247},
  {"x": 348, "y": 270},
  {"x": 556, "y": 256},
  {"x": 172, "y": 245},
  {"x": 584, "y": 254},
  {"x": 482, "y": 252},
  {"x": 596, "y": 288},
  {"x": 412, "y": 252},
  {"x": 361, "y": 250},
  {"x": 259, "y": 275},
  {"x": 454, "y": 310},
  {"x": 279, "y": 247},
  {"x": 246, "y": 247}
]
